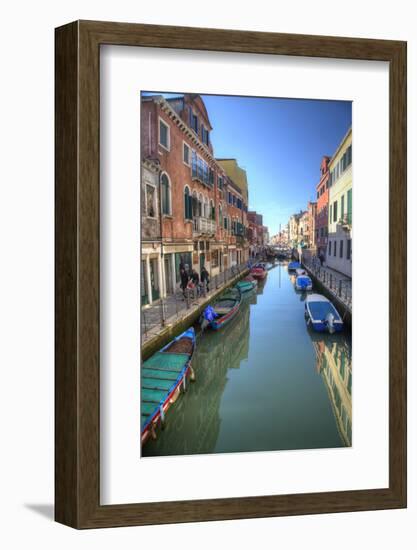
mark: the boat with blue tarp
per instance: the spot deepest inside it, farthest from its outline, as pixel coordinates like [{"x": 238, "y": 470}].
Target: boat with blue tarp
[
  {"x": 321, "y": 314},
  {"x": 293, "y": 266},
  {"x": 303, "y": 282},
  {"x": 162, "y": 377},
  {"x": 223, "y": 310}
]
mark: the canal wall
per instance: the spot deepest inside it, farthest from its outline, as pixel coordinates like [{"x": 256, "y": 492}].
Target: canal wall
[
  {"x": 341, "y": 307},
  {"x": 179, "y": 325}
]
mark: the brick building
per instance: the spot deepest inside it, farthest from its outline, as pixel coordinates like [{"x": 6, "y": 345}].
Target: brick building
[
  {"x": 322, "y": 212},
  {"x": 191, "y": 221}
]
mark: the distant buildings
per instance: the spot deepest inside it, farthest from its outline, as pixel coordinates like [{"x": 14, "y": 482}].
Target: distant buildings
[
  {"x": 322, "y": 214},
  {"x": 194, "y": 207},
  {"x": 325, "y": 227},
  {"x": 339, "y": 248}
]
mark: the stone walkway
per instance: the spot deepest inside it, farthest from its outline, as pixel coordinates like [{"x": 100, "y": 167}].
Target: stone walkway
[
  {"x": 175, "y": 306},
  {"x": 338, "y": 284}
]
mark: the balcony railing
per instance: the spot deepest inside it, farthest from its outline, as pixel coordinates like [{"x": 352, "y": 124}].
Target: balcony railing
[
  {"x": 204, "y": 226},
  {"x": 346, "y": 220}
]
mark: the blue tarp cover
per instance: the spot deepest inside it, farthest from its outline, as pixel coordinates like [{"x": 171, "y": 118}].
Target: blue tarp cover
[{"x": 319, "y": 310}]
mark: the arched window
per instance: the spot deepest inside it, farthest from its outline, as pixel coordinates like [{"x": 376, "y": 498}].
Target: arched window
[
  {"x": 212, "y": 211},
  {"x": 195, "y": 205},
  {"x": 188, "y": 204},
  {"x": 165, "y": 194},
  {"x": 200, "y": 204}
]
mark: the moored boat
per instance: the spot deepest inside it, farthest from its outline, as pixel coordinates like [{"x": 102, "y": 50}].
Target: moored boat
[
  {"x": 162, "y": 377},
  {"x": 246, "y": 286},
  {"x": 258, "y": 272},
  {"x": 300, "y": 271},
  {"x": 223, "y": 310},
  {"x": 303, "y": 282},
  {"x": 293, "y": 266},
  {"x": 321, "y": 314}
]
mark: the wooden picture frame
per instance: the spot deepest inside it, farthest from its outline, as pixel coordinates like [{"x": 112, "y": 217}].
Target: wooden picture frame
[{"x": 77, "y": 406}]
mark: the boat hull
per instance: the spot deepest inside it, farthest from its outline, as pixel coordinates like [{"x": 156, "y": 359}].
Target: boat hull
[
  {"x": 259, "y": 273},
  {"x": 321, "y": 315},
  {"x": 161, "y": 384}
]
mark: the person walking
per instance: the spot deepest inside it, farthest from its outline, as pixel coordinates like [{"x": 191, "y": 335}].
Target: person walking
[
  {"x": 183, "y": 281},
  {"x": 196, "y": 281},
  {"x": 205, "y": 278}
]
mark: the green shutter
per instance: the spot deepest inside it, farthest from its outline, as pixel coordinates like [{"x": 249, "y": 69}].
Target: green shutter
[{"x": 349, "y": 205}]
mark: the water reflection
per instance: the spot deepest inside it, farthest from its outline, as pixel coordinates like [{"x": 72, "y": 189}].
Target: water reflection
[
  {"x": 334, "y": 364},
  {"x": 264, "y": 382}
]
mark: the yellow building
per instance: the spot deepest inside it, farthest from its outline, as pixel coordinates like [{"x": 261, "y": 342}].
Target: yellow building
[
  {"x": 339, "y": 247},
  {"x": 237, "y": 174}
]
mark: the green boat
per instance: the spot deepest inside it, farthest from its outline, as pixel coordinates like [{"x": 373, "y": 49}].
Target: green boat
[
  {"x": 246, "y": 286},
  {"x": 162, "y": 377}
]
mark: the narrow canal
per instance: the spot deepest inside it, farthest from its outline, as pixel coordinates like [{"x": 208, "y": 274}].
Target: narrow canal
[{"x": 264, "y": 382}]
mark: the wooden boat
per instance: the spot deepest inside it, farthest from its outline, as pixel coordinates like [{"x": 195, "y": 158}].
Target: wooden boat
[
  {"x": 293, "y": 266},
  {"x": 162, "y": 377},
  {"x": 258, "y": 272},
  {"x": 303, "y": 282},
  {"x": 224, "y": 309},
  {"x": 300, "y": 271},
  {"x": 246, "y": 286},
  {"x": 321, "y": 314}
]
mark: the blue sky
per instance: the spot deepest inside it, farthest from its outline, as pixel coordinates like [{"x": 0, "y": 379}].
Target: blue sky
[{"x": 280, "y": 144}]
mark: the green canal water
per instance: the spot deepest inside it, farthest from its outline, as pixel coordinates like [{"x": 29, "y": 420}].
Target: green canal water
[{"x": 264, "y": 382}]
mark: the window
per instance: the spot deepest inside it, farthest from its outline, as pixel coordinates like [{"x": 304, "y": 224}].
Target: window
[
  {"x": 165, "y": 195},
  {"x": 318, "y": 194},
  {"x": 225, "y": 222},
  {"x": 341, "y": 249},
  {"x": 331, "y": 212},
  {"x": 199, "y": 169},
  {"x": 211, "y": 177},
  {"x": 349, "y": 249},
  {"x": 342, "y": 207},
  {"x": 349, "y": 155},
  {"x": 220, "y": 182},
  {"x": 212, "y": 211},
  {"x": 334, "y": 248},
  {"x": 349, "y": 206},
  {"x": 215, "y": 258},
  {"x": 330, "y": 248},
  {"x": 335, "y": 211},
  {"x": 193, "y": 121},
  {"x": 204, "y": 135},
  {"x": 188, "y": 204},
  {"x": 163, "y": 134},
  {"x": 150, "y": 201},
  {"x": 186, "y": 154},
  {"x": 200, "y": 205}
]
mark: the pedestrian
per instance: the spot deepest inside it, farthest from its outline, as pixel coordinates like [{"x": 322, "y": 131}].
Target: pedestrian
[
  {"x": 205, "y": 278},
  {"x": 321, "y": 257},
  {"x": 183, "y": 281},
  {"x": 196, "y": 280}
]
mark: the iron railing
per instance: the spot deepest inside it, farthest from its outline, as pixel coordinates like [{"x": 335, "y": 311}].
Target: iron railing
[
  {"x": 337, "y": 284},
  {"x": 176, "y": 305}
]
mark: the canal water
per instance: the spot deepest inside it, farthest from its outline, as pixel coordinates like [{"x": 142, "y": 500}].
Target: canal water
[{"x": 264, "y": 382}]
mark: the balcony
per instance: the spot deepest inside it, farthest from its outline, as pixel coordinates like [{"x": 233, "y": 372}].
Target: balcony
[
  {"x": 204, "y": 226},
  {"x": 346, "y": 221}
]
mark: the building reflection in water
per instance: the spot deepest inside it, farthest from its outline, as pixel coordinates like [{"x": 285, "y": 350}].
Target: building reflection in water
[
  {"x": 334, "y": 364},
  {"x": 195, "y": 426}
]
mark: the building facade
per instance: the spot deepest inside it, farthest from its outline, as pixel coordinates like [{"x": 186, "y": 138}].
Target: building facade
[
  {"x": 322, "y": 212},
  {"x": 339, "y": 246},
  {"x": 193, "y": 213}
]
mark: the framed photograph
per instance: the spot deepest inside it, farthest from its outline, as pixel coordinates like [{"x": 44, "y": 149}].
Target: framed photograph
[{"x": 230, "y": 335}]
